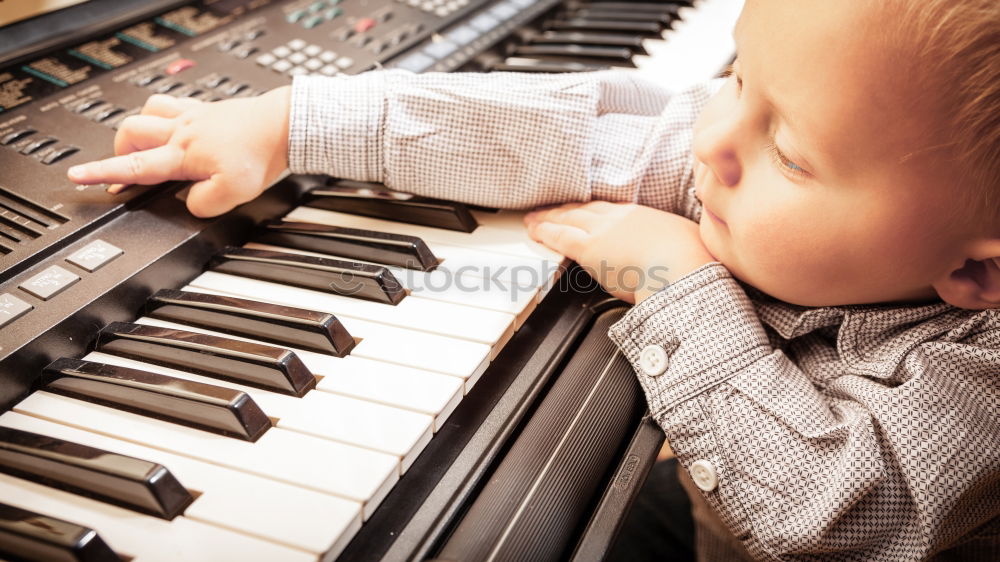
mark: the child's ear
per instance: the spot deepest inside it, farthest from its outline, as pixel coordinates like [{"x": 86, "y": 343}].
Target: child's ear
[{"x": 976, "y": 283}]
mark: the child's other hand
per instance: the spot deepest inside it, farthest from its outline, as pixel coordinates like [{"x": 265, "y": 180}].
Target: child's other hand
[
  {"x": 233, "y": 149},
  {"x": 631, "y": 250}
]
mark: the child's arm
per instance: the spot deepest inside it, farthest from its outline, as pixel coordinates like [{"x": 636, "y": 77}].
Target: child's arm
[
  {"x": 870, "y": 434},
  {"x": 502, "y": 139}
]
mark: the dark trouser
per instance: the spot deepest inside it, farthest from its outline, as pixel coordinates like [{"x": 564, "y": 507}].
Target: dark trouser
[{"x": 659, "y": 526}]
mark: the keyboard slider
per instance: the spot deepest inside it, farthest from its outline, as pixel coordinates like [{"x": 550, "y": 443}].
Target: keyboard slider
[
  {"x": 283, "y": 325},
  {"x": 380, "y": 247},
  {"x": 202, "y": 406},
  {"x": 373, "y": 200},
  {"x": 342, "y": 277},
  {"x": 136, "y": 484},
  {"x": 254, "y": 364}
]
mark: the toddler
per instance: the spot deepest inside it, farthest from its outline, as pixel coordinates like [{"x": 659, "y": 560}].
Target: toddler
[{"x": 823, "y": 353}]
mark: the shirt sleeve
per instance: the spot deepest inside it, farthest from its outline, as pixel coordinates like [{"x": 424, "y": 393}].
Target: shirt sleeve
[
  {"x": 505, "y": 140},
  {"x": 889, "y": 459}
]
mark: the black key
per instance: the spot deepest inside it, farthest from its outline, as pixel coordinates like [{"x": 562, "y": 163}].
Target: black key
[
  {"x": 342, "y": 277},
  {"x": 284, "y": 325},
  {"x": 587, "y": 38},
  {"x": 614, "y": 15},
  {"x": 613, "y": 54},
  {"x": 203, "y": 406},
  {"x": 372, "y": 200},
  {"x": 136, "y": 484},
  {"x": 264, "y": 366},
  {"x": 26, "y": 535},
  {"x": 631, "y": 7},
  {"x": 537, "y": 65},
  {"x": 640, "y": 27},
  {"x": 369, "y": 245}
]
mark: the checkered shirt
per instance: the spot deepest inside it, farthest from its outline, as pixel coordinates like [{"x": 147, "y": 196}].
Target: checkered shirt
[{"x": 840, "y": 433}]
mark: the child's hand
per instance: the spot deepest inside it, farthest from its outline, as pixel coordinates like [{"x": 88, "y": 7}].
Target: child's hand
[
  {"x": 631, "y": 250},
  {"x": 233, "y": 149}
]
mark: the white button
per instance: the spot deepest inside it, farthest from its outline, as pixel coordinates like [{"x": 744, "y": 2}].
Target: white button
[
  {"x": 653, "y": 360},
  {"x": 344, "y": 62},
  {"x": 313, "y": 64},
  {"x": 703, "y": 474},
  {"x": 297, "y": 58},
  {"x": 267, "y": 59},
  {"x": 296, "y": 44},
  {"x": 281, "y": 51},
  {"x": 328, "y": 56},
  {"x": 313, "y": 50},
  {"x": 328, "y": 70}
]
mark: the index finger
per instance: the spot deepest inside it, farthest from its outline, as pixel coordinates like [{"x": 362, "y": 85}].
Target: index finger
[{"x": 145, "y": 167}]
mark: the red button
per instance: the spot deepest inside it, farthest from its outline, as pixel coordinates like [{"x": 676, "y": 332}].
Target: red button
[
  {"x": 179, "y": 65},
  {"x": 364, "y": 24}
]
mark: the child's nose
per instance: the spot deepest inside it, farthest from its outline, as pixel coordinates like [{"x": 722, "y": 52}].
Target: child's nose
[{"x": 715, "y": 146}]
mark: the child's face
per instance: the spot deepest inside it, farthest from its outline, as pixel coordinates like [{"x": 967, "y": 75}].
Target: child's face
[{"x": 816, "y": 161}]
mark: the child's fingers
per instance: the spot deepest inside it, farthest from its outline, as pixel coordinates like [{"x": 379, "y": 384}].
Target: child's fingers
[
  {"x": 215, "y": 196},
  {"x": 569, "y": 241},
  {"x": 142, "y": 132},
  {"x": 146, "y": 167},
  {"x": 577, "y": 216},
  {"x": 162, "y": 105}
]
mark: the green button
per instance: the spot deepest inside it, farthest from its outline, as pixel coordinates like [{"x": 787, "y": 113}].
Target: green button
[
  {"x": 295, "y": 16},
  {"x": 333, "y": 12},
  {"x": 317, "y": 6},
  {"x": 312, "y": 22}
]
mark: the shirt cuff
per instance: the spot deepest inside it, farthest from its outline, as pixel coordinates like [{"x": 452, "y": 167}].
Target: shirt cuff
[
  {"x": 690, "y": 336},
  {"x": 335, "y": 126}
]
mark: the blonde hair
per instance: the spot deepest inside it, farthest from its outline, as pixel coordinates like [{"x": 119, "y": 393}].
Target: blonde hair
[{"x": 959, "y": 50}]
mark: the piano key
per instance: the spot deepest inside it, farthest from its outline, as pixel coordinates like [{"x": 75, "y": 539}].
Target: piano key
[
  {"x": 263, "y": 366},
  {"x": 651, "y": 29},
  {"x": 356, "y": 280},
  {"x": 354, "y": 473},
  {"x": 144, "y": 538},
  {"x": 137, "y": 484},
  {"x": 629, "y": 7},
  {"x": 443, "y": 285},
  {"x": 610, "y": 54},
  {"x": 209, "y": 407},
  {"x": 523, "y": 64},
  {"x": 394, "y": 431},
  {"x": 374, "y": 200},
  {"x": 274, "y": 511},
  {"x": 463, "y": 322},
  {"x": 366, "y": 245},
  {"x": 484, "y": 239},
  {"x": 284, "y": 325},
  {"x": 662, "y": 18},
  {"x": 587, "y": 38},
  {"x": 26, "y": 535},
  {"x": 434, "y": 394}
]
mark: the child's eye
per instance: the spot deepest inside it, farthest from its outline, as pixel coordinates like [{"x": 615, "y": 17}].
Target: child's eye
[
  {"x": 783, "y": 161},
  {"x": 730, "y": 71}
]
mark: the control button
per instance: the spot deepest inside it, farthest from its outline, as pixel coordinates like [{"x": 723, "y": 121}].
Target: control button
[
  {"x": 234, "y": 89},
  {"x": 215, "y": 81},
  {"x": 253, "y": 34},
  {"x": 88, "y": 105},
  {"x": 525, "y": 3},
  {"x": 377, "y": 47},
  {"x": 50, "y": 282},
  {"x": 364, "y": 24},
  {"x": 484, "y": 22},
  {"x": 267, "y": 59},
  {"x": 195, "y": 93},
  {"x": 281, "y": 66},
  {"x": 462, "y": 35},
  {"x": 147, "y": 79},
  {"x": 704, "y": 475},
  {"x": 167, "y": 87},
  {"x": 228, "y": 44},
  {"x": 178, "y": 65},
  {"x": 295, "y": 16},
  {"x": 312, "y": 21},
  {"x": 281, "y": 51},
  {"x": 332, "y": 13},
  {"x": 298, "y": 71},
  {"x": 312, "y": 50},
  {"x": 345, "y": 62},
  {"x": 362, "y": 40},
  {"x": 59, "y": 153},
  {"x": 317, "y": 6},
  {"x": 297, "y": 58},
  {"x": 296, "y": 44},
  {"x": 384, "y": 16},
  {"x": 329, "y": 70},
  {"x": 344, "y": 34},
  {"x": 17, "y": 135},
  {"x": 441, "y": 49},
  {"x": 12, "y": 308},
  {"x": 328, "y": 56},
  {"x": 442, "y": 11},
  {"x": 417, "y": 62},
  {"x": 313, "y": 64},
  {"x": 245, "y": 51},
  {"x": 108, "y": 114},
  {"x": 653, "y": 360},
  {"x": 94, "y": 255},
  {"x": 504, "y": 11},
  {"x": 36, "y": 145}
]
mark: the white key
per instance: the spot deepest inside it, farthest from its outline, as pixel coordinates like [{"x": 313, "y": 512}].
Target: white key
[
  {"x": 484, "y": 238},
  {"x": 463, "y": 322},
  {"x": 398, "y": 432},
  {"x": 318, "y": 464},
  {"x": 434, "y": 394},
  {"x": 401, "y": 346},
  {"x": 263, "y": 508},
  {"x": 444, "y": 284},
  {"x": 144, "y": 537}
]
